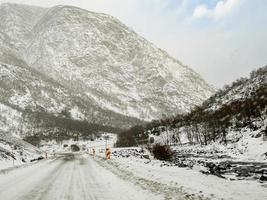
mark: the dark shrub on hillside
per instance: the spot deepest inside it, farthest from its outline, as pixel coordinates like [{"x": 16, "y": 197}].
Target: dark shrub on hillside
[
  {"x": 151, "y": 140},
  {"x": 162, "y": 152},
  {"x": 74, "y": 147},
  {"x": 47, "y": 126},
  {"x": 36, "y": 159}
]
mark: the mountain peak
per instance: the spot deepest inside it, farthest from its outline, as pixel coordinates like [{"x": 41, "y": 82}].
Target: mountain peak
[{"x": 104, "y": 62}]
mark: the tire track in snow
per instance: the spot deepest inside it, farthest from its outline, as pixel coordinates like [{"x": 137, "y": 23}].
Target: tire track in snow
[
  {"x": 19, "y": 181},
  {"x": 69, "y": 177},
  {"x": 169, "y": 192}
]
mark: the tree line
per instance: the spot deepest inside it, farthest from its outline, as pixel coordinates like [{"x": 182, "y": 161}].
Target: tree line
[{"x": 42, "y": 125}]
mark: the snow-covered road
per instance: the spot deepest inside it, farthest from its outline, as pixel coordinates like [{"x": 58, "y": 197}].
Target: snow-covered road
[{"x": 68, "y": 176}]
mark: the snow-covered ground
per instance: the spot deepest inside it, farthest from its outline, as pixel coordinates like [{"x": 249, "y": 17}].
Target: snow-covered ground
[
  {"x": 243, "y": 145},
  {"x": 130, "y": 174},
  {"x": 68, "y": 176},
  {"x": 142, "y": 169},
  {"x": 154, "y": 174},
  {"x": 15, "y": 152}
]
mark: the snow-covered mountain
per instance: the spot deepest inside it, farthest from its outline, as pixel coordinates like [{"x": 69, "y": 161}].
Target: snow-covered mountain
[
  {"x": 102, "y": 60},
  {"x": 66, "y": 62}
]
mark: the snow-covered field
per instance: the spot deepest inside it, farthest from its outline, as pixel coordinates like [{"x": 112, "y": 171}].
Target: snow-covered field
[
  {"x": 167, "y": 177},
  {"x": 130, "y": 174},
  {"x": 190, "y": 181}
]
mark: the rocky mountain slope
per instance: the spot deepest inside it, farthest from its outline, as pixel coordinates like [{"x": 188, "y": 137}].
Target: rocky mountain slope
[
  {"x": 234, "y": 118},
  {"x": 14, "y": 151},
  {"x": 66, "y": 62},
  {"x": 102, "y": 59},
  {"x": 239, "y": 90}
]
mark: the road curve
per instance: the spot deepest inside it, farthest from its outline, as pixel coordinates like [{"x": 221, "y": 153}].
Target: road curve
[{"x": 68, "y": 177}]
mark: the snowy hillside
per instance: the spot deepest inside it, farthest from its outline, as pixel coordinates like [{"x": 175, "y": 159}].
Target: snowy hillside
[
  {"x": 239, "y": 90},
  {"x": 23, "y": 88},
  {"x": 107, "y": 64},
  {"x": 232, "y": 122},
  {"x": 14, "y": 151},
  {"x": 224, "y": 139}
]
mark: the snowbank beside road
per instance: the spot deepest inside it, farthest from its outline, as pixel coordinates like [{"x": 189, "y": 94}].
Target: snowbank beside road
[{"x": 188, "y": 181}]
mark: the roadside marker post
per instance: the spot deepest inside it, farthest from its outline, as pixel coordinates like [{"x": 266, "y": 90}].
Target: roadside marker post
[
  {"x": 98, "y": 150},
  {"x": 93, "y": 152},
  {"x": 108, "y": 153},
  {"x": 13, "y": 158}
]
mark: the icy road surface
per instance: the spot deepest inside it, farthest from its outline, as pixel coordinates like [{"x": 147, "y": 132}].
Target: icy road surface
[{"x": 68, "y": 176}]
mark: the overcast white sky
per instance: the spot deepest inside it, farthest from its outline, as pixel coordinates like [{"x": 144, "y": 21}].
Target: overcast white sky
[{"x": 220, "y": 39}]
